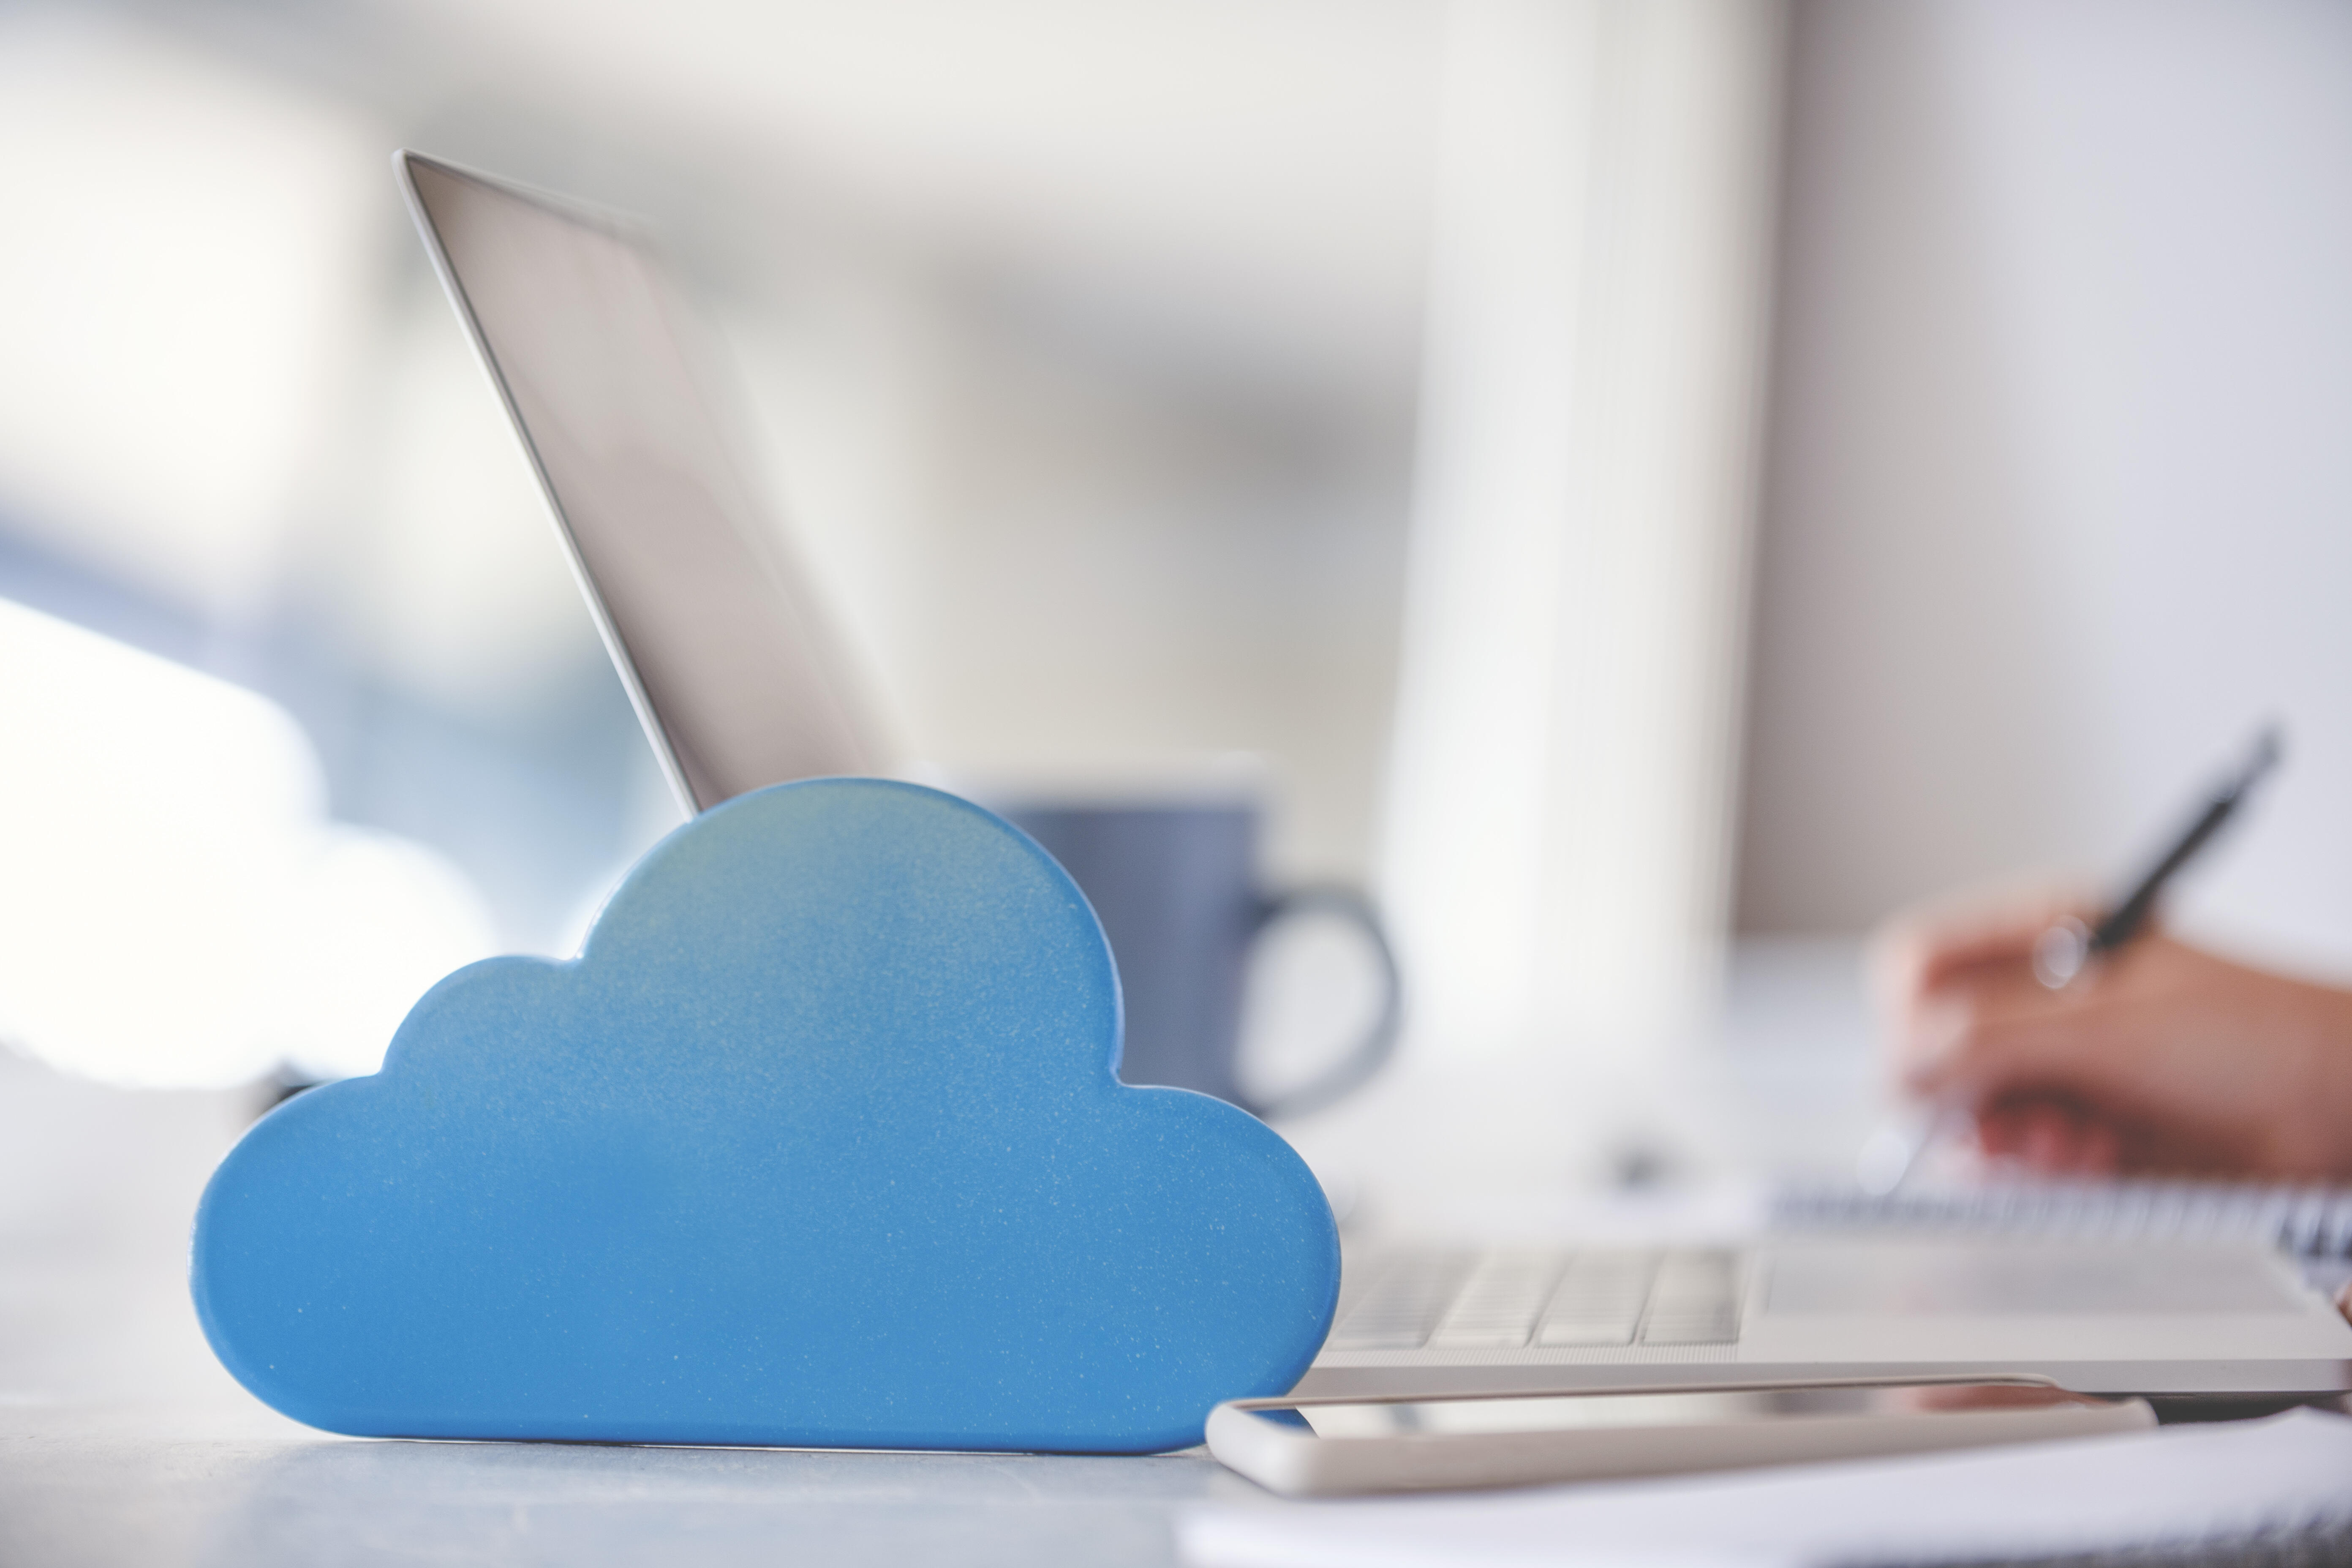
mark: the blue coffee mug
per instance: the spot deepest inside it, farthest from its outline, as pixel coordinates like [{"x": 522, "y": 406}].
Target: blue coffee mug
[{"x": 1176, "y": 887}]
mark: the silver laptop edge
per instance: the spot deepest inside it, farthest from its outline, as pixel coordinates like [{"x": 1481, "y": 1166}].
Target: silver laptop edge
[{"x": 729, "y": 661}]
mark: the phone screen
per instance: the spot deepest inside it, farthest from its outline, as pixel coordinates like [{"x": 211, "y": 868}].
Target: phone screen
[{"x": 1696, "y": 1407}]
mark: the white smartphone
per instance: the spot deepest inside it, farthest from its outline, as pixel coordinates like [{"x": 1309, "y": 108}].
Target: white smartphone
[{"x": 1311, "y": 1448}]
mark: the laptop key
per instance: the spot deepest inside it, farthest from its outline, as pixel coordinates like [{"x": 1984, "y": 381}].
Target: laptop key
[
  {"x": 1497, "y": 1305},
  {"x": 1564, "y": 1332},
  {"x": 1401, "y": 1306},
  {"x": 1599, "y": 1300},
  {"x": 1716, "y": 1331}
]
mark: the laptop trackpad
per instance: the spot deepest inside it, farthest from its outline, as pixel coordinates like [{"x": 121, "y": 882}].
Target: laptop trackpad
[{"x": 1888, "y": 1277}]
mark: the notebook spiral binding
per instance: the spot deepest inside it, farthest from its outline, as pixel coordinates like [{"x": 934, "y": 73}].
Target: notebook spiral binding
[{"x": 2311, "y": 1222}]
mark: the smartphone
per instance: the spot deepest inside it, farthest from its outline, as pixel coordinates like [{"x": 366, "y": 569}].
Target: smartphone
[{"x": 1322, "y": 1448}]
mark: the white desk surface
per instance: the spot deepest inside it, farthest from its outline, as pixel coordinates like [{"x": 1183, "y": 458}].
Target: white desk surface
[{"x": 122, "y": 1441}]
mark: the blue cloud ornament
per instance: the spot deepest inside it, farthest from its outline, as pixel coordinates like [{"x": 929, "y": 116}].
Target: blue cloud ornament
[{"x": 817, "y": 1143}]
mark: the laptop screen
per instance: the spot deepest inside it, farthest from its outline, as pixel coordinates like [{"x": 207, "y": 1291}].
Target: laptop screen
[{"x": 716, "y": 634}]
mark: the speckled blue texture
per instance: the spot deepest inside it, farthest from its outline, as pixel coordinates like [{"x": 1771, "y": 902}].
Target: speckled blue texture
[{"x": 817, "y": 1143}]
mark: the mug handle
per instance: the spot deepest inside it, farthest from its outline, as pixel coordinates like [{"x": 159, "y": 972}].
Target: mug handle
[{"x": 1351, "y": 1072}]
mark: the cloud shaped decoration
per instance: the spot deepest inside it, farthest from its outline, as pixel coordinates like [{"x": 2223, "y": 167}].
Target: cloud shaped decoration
[{"x": 818, "y": 1142}]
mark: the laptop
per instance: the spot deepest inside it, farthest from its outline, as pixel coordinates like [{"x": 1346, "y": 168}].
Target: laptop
[{"x": 739, "y": 682}]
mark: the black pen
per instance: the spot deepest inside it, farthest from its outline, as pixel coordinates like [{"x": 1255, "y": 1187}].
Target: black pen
[{"x": 2067, "y": 949}]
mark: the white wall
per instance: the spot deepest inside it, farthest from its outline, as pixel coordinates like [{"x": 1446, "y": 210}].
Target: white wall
[{"x": 2060, "y": 482}]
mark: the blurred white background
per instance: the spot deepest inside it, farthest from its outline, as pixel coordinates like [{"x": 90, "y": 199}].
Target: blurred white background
[
  {"x": 2061, "y": 497},
  {"x": 1641, "y": 473}
]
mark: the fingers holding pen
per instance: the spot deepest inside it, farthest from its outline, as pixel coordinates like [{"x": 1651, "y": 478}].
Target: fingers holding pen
[
  {"x": 2162, "y": 1058},
  {"x": 2054, "y": 1081},
  {"x": 1968, "y": 943},
  {"x": 1975, "y": 1044},
  {"x": 2079, "y": 1042}
]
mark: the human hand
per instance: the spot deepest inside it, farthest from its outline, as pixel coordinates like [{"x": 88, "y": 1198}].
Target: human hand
[{"x": 2160, "y": 1058}]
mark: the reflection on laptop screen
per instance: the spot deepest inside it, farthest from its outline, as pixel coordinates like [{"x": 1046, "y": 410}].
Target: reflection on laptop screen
[{"x": 718, "y": 637}]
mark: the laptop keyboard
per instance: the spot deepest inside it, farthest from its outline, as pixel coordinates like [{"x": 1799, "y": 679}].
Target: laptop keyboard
[{"x": 1544, "y": 1299}]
